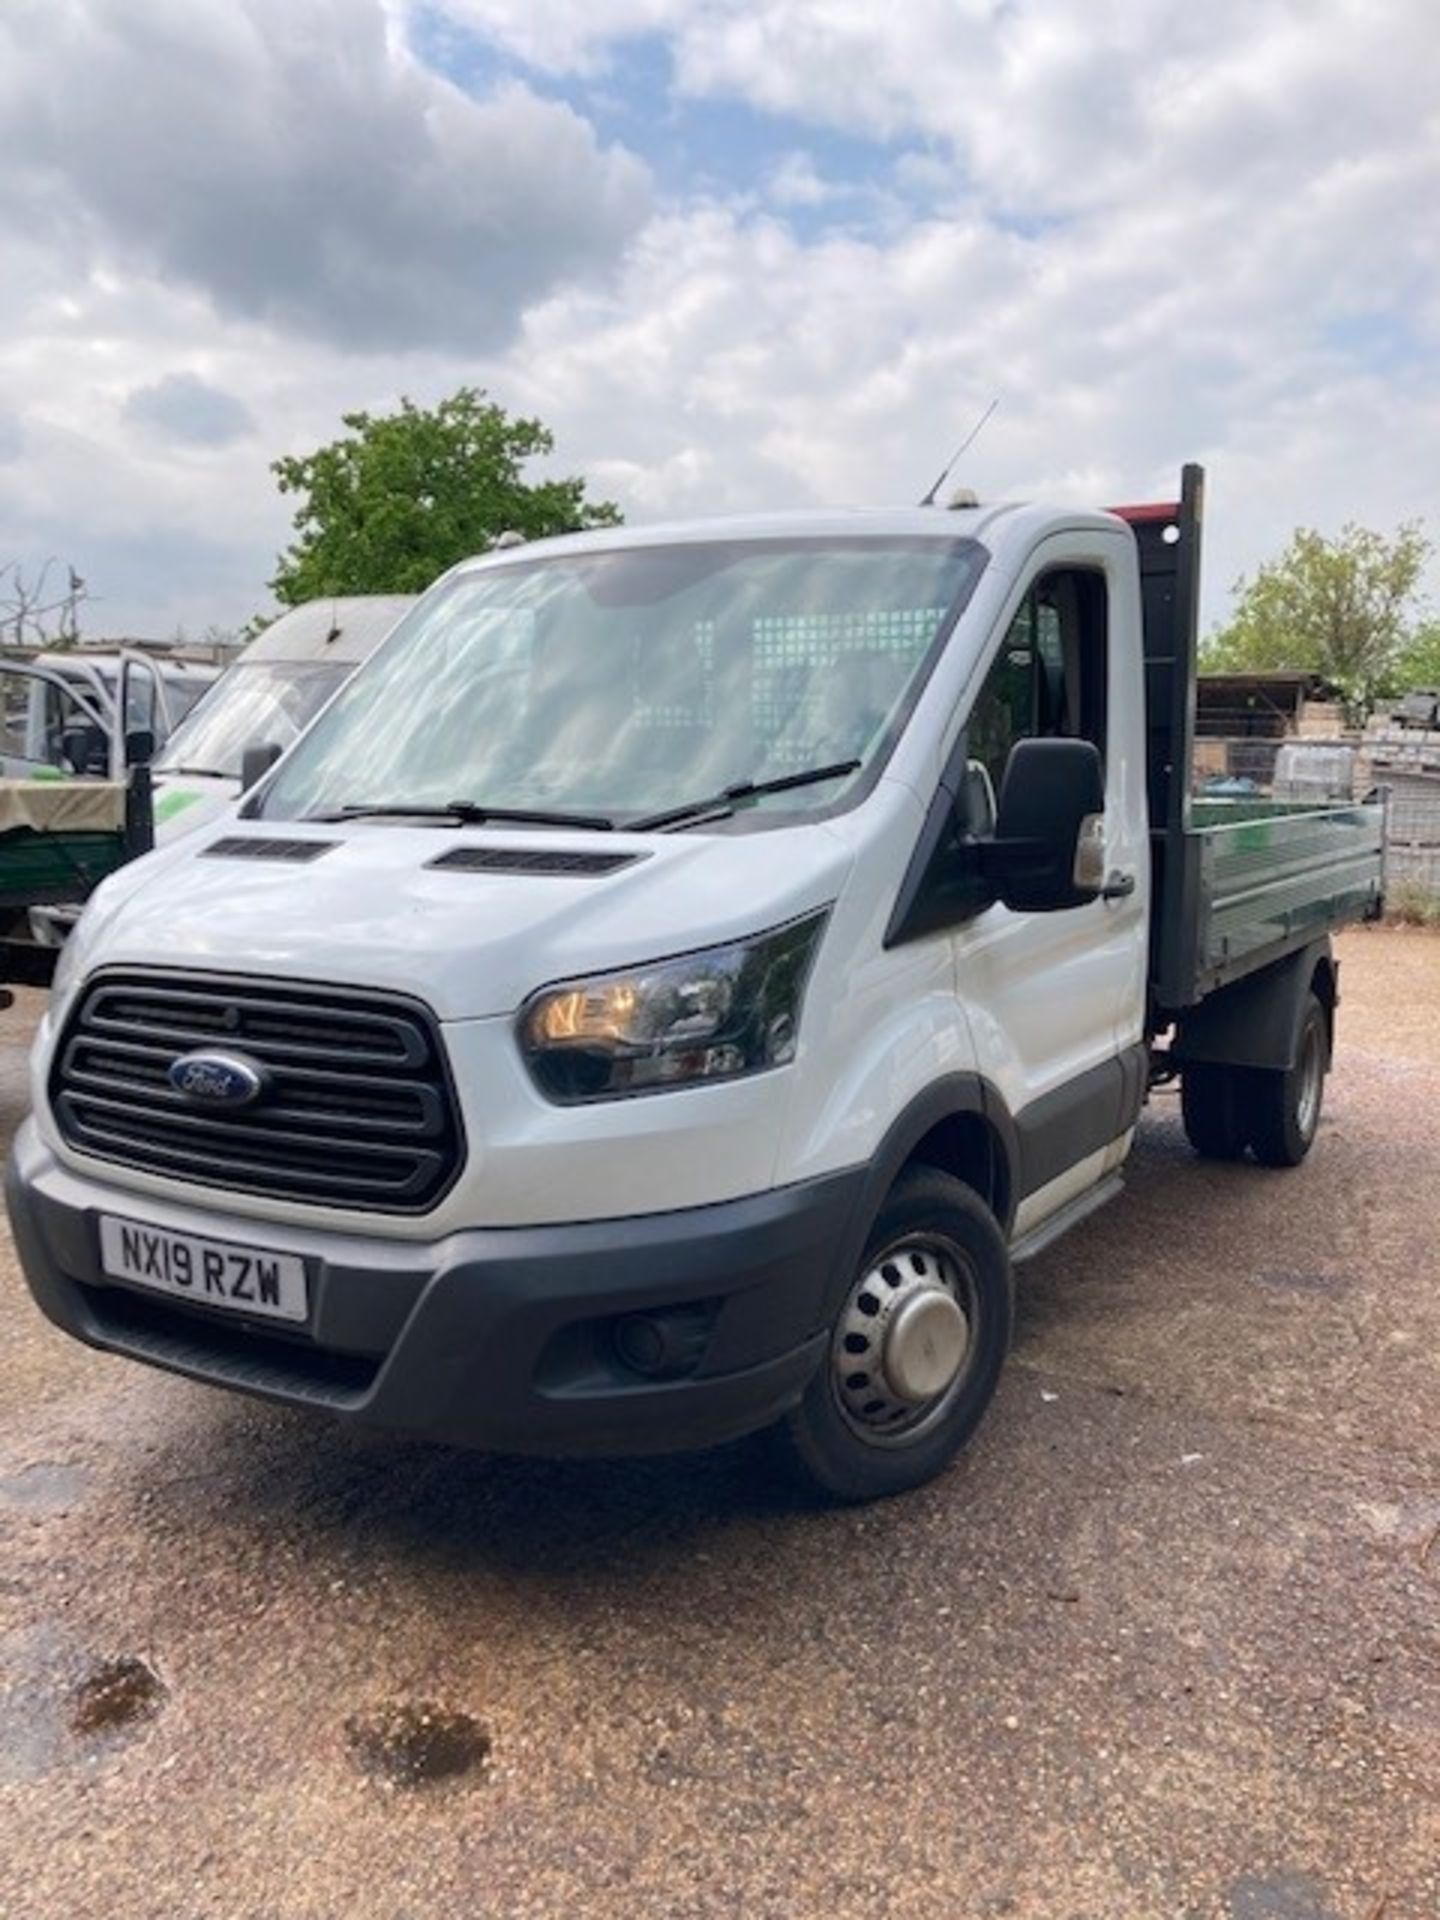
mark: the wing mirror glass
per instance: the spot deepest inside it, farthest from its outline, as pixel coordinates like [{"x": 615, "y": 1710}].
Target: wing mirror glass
[{"x": 1048, "y": 850}]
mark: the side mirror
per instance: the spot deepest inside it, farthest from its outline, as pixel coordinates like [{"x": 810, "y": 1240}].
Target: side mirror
[
  {"x": 256, "y": 762},
  {"x": 1048, "y": 852},
  {"x": 139, "y": 747}
]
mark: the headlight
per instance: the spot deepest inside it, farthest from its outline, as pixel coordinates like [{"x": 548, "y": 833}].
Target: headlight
[{"x": 713, "y": 1015}]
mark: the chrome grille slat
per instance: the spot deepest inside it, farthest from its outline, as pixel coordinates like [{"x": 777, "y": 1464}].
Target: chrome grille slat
[
  {"x": 288, "y": 1166},
  {"x": 115, "y": 1067},
  {"x": 286, "y": 1123},
  {"x": 284, "y": 1180},
  {"x": 358, "y": 1110},
  {"x": 278, "y": 1028}
]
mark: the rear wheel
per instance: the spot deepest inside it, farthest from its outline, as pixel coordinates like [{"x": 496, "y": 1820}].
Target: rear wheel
[
  {"x": 1283, "y": 1109},
  {"x": 915, "y": 1351},
  {"x": 1212, "y": 1105}
]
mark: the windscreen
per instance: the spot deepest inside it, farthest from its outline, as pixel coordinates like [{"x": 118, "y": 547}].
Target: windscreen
[
  {"x": 182, "y": 696},
  {"x": 254, "y": 704},
  {"x": 626, "y": 681}
]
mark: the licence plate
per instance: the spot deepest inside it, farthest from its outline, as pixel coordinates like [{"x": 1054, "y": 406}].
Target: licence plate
[{"x": 215, "y": 1273}]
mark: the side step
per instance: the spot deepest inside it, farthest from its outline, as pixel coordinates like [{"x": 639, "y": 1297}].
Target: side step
[{"x": 1070, "y": 1215}]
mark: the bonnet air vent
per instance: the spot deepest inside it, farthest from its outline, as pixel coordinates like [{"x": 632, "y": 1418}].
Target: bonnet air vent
[
  {"x": 238, "y": 848},
  {"x": 532, "y": 860}
]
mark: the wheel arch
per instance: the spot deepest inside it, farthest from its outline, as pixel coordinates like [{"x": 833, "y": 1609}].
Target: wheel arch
[
  {"x": 1256, "y": 1021},
  {"x": 959, "y": 1125}
]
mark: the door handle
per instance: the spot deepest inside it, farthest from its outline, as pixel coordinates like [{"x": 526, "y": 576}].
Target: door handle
[{"x": 1119, "y": 886}]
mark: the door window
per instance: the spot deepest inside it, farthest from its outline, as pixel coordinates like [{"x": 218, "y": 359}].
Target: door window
[
  {"x": 140, "y": 715},
  {"x": 1047, "y": 680}
]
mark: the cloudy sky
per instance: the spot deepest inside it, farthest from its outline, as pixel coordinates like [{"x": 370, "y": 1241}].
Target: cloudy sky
[{"x": 736, "y": 253}]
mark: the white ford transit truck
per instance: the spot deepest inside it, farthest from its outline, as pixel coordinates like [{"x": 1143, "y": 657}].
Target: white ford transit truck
[{"x": 674, "y": 983}]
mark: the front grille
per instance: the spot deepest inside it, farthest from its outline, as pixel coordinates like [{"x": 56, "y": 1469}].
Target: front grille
[{"x": 358, "y": 1110}]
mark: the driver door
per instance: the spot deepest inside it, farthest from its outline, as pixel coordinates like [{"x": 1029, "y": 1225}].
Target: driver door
[{"x": 1045, "y": 992}]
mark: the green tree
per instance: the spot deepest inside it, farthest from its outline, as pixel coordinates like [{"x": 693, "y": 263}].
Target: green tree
[
  {"x": 1345, "y": 608},
  {"x": 402, "y": 496},
  {"x": 1419, "y": 664}
]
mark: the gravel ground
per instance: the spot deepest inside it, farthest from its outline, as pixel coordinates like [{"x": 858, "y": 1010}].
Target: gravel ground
[{"x": 1166, "y": 1642}]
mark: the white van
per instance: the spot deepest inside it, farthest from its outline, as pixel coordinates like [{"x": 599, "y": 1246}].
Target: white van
[
  {"x": 673, "y": 984},
  {"x": 265, "y": 701},
  {"x": 71, "y": 711}
]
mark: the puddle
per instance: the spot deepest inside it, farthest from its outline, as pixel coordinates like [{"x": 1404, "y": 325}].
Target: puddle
[
  {"x": 47, "y": 1486},
  {"x": 114, "y": 1695},
  {"x": 417, "y": 1745},
  {"x": 50, "y": 1718}
]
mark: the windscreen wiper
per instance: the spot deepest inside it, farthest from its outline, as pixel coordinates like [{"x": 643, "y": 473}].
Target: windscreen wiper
[
  {"x": 469, "y": 813},
  {"x": 720, "y": 804},
  {"x": 198, "y": 773}
]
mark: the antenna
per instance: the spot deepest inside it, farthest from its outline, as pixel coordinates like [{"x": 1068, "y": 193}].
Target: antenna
[{"x": 960, "y": 451}]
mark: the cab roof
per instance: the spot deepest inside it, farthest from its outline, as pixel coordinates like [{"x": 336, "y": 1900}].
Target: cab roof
[
  {"x": 990, "y": 525},
  {"x": 334, "y": 627}
]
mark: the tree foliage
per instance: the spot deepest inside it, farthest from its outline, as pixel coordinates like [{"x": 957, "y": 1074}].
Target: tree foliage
[
  {"x": 1419, "y": 663},
  {"x": 401, "y": 496},
  {"x": 1346, "y": 608}
]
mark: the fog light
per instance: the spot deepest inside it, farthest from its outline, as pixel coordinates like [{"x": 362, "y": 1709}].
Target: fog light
[{"x": 664, "y": 1345}]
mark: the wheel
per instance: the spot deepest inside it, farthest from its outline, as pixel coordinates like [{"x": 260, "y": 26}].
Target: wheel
[
  {"x": 1212, "y": 1106},
  {"x": 1284, "y": 1108},
  {"x": 915, "y": 1351}
]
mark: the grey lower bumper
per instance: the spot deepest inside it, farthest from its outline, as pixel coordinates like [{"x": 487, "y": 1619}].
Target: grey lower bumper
[{"x": 501, "y": 1337}]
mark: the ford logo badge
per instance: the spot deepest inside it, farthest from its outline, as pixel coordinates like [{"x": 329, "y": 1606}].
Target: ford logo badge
[{"x": 217, "y": 1079}]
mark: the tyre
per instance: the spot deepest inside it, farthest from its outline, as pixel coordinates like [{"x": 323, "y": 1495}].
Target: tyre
[
  {"x": 1212, "y": 1105},
  {"x": 915, "y": 1351},
  {"x": 1283, "y": 1109}
]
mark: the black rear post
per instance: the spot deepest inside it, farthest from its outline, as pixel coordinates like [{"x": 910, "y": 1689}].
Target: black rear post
[
  {"x": 1168, "y": 538},
  {"x": 139, "y": 811}
]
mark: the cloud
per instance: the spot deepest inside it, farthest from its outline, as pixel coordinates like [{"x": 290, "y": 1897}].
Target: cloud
[
  {"x": 12, "y": 435},
  {"x": 1036, "y": 103},
  {"x": 290, "y": 159},
  {"x": 1154, "y": 234},
  {"x": 750, "y": 368},
  {"x": 796, "y": 182},
  {"x": 183, "y": 407}
]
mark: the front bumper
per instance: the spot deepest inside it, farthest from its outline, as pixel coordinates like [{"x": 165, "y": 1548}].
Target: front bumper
[{"x": 502, "y": 1338}]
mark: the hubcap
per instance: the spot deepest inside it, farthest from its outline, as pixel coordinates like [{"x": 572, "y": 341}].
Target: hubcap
[
  {"x": 925, "y": 1342},
  {"x": 903, "y": 1340}
]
